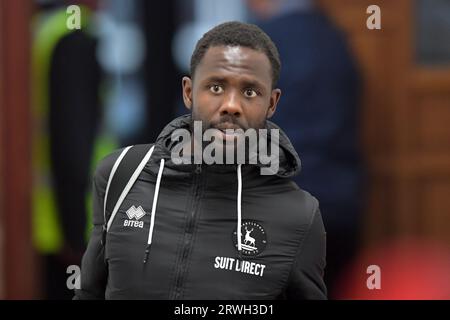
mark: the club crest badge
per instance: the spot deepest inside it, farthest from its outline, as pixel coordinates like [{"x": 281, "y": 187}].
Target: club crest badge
[{"x": 253, "y": 238}]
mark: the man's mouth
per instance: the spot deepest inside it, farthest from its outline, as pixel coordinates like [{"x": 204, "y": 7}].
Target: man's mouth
[
  {"x": 227, "y": 130},
  {"x": 226, "y": 126}
]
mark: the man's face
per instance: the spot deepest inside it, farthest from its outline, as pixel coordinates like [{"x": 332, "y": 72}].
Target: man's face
[{"x": 232, "y": 89}]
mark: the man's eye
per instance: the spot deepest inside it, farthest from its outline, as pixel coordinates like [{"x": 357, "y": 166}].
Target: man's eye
[
  {"x": 250, "y": 93},
  {"x": 216, "y": 89}
]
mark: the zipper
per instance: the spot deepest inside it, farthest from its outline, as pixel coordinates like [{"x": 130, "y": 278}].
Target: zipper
[{"x": 188, "y": 234}]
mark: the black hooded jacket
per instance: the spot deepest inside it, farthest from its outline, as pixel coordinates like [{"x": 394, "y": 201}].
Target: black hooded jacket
[{"x": 193, "y": 252}]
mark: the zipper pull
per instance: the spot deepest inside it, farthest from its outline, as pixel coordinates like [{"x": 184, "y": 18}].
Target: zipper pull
[
  {"x": 103, "y": 241},
  {"x": 147, "y": 251},
  {"x": 198, "y": 169}
]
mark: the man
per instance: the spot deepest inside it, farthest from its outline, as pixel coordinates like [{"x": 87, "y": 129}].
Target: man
[{"x": 212, "y": 231}]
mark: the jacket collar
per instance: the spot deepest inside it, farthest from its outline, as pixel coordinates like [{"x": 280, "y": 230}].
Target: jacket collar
[{"x": 289, "y": 166}]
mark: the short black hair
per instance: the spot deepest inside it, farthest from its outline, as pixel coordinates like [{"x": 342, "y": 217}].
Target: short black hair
[{"x": 236, "y": 33}]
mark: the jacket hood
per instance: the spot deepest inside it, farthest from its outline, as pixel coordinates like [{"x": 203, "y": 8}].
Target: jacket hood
[{"x": 289, "y": 165}]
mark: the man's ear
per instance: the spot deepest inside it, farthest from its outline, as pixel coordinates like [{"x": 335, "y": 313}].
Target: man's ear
[
  {"x": 187, "y": 92},
  {"x": 274, "y": 98}
]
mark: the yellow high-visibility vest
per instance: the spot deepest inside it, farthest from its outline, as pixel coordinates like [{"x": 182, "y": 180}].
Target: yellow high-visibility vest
[{"x": 49, "y": 29}]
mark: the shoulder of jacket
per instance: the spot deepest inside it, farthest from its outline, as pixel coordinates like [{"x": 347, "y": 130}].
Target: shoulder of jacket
[
  {"x": 306, "y": 204},
  {"x": 104, "y": 166}
]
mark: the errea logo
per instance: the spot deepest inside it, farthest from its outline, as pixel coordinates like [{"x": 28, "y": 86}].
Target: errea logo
[{"x": 137, "y": 214}]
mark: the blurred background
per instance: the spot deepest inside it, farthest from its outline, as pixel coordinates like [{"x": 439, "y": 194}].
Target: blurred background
[{"x": 368, "y": 111}]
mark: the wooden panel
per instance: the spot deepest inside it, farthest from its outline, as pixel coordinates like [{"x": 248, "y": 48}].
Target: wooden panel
[
  {"x": 380, "y": 204},
  {"x": 406, "y": 215},
  {"x": 413, "y": 165},
  {"x": 429, "y": 123},
  {"x": 385, "y": 60},
  {"x": 371, "y": 49},
  {"x": 351, "y": 14},
  {"x": 426, "y": 211},
  {"x": 406, "y": 117},
  {"x": 375, "y": 96},
  {"x": 384, "y": 57},
  {"x": 429, "y": 115},
  {"x": 435, "y": 206},
  {"x": 430, "y": 80},
  {"x": 17, "y": 256}
]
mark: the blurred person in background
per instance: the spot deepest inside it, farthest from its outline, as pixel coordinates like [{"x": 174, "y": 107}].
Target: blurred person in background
[
  {"x": 67, "y": 114},
  {"x": 320, "y": 114},
  {"x": 89, "y": 85}
]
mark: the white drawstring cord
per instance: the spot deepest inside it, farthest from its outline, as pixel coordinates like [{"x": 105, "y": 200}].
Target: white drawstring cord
[
  {"x": 239, "y": 219},
  {"x": 111, "y": 175},
  {"x": 155, "y": 199},
  {"x": 152, "y": 218}
]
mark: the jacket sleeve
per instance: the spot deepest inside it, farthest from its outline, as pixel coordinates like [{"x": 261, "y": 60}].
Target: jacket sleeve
[
  {"x": 94, "y": 270},
  {"x": 306, "y": 278}
]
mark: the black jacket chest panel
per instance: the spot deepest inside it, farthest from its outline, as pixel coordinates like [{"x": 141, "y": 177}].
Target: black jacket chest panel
[{"x": 207, "y": 218}]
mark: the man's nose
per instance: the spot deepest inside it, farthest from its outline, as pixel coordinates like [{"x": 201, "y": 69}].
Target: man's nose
[{"x": 231, "y": 105}]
